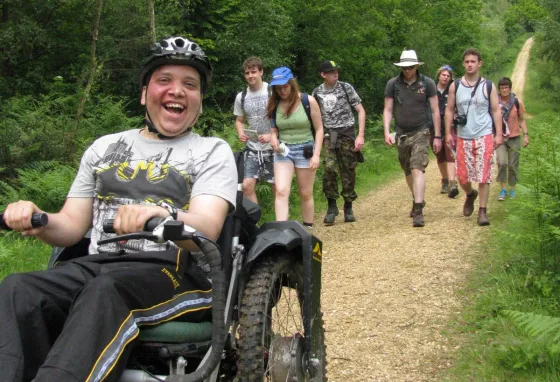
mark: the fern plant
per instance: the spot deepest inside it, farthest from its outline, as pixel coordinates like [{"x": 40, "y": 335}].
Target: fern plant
[{"x": 538, "y": 326}]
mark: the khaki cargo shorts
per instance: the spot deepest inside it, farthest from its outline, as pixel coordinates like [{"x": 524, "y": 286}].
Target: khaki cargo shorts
[{"x": 413, "y": 150}]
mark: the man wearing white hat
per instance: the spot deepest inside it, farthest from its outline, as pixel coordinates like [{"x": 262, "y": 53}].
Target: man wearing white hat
[{"x": 413, "y": 98}]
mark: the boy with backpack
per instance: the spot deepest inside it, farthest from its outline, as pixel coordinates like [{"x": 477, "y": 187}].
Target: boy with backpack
[
  {"x": 473, "y": 104},
  {"x": 341, "y": 145},
  {"x": 413, "y": 97},
  {"x": 513, "y": 116},
  {"x": 250, "y": 109}
]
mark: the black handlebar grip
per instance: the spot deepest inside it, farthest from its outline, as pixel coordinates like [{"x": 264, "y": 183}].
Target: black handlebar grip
[
  {"x": 150, "y": 225},
  {"x": 37, "y": 220},
  {"x": 108, "y": 226}
]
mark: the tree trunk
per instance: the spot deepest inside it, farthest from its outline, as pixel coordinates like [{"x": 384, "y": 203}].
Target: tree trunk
[
  {"x": 92, "y": 74},
  {"x": 152, "y": 20}
]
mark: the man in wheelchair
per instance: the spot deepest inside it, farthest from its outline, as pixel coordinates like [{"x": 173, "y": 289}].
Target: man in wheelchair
[{"x": 73, "y": 322}]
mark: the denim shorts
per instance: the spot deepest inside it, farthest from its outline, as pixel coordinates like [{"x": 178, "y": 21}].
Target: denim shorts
[
  {"x": 258, "y": 165},
  {"x": 295, "y": 155}
]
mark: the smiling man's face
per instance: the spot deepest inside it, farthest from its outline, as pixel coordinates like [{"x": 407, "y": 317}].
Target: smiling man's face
[{"x": 173, "y": 98}]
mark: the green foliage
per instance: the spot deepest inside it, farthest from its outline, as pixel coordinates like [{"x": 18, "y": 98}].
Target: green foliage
[
  {"x": 19, "y": 254},
  {"x": 45, "y": 183},
  {"x": 544, "y": 351},
  {"x": 523, "y": 16}
]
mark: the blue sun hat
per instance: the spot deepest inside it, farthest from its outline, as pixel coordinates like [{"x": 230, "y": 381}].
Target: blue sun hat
[{"x": 281, "y": 76}]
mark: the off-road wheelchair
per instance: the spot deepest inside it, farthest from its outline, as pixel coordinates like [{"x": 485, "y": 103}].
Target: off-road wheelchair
[{"x": 266, "y": 315}]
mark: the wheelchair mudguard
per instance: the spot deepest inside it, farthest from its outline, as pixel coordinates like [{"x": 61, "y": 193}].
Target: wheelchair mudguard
[{"x": 294, "y": 237}]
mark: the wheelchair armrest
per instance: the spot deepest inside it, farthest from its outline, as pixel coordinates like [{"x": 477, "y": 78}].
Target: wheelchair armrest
[{"x": 68, "y": 253}]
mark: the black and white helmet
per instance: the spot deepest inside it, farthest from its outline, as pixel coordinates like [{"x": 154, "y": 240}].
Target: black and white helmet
[{"x": 176, "y": 51}]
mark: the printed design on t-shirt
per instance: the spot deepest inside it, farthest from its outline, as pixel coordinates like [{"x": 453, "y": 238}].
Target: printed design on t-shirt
[
  {"x": 151, "y": 179},
  {"x": 328, "y": 102},
  {"x": 255, "y": 113},
  {"x": 336, "y": 107},
  {"x": 121, "y": 179}
]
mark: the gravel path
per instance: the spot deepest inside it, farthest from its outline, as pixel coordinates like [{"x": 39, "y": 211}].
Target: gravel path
[{"x": 389, "y": 289}]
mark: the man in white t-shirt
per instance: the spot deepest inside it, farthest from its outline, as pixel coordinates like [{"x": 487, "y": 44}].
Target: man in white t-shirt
[{"x": 253, "y": 128}]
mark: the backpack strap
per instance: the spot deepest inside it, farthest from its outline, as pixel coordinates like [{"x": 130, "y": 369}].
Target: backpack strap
[
  {"x": 457, "y": 82},
  {"x": 307, "y": 108},
  {"x": 243, "y": 96},
  {"x": 489, "y": 91}
]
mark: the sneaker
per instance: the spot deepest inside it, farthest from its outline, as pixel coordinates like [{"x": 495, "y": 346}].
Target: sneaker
[
  {"x": 453, "y": 192},
  {"x": 468, "y": 207},
  {"x": 512, "y": 194},
  {"x": 412, "y": 210},
  {"x": 502, "y": 195}
]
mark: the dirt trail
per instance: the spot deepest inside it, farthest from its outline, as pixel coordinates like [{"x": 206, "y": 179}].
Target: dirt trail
[
  {"x": 518, "y": 76},
  {"x": 389, "y": 289}
]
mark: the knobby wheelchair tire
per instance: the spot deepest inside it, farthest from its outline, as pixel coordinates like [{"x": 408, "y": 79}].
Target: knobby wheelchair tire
[{"x": 272, "y": 305}]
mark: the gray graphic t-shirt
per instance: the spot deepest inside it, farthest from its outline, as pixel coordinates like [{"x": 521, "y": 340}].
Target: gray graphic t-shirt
[
  {"x": 126, "y": 168},
  {"x": 254, "y": 112},
  {"x": 337, "y": 104}
]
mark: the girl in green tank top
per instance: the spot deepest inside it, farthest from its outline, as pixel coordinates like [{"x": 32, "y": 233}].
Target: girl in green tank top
[{"x": 303, "y": 157}]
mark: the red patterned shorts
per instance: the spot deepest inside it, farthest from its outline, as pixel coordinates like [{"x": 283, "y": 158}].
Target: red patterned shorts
[{"x": 475, "y": 159}]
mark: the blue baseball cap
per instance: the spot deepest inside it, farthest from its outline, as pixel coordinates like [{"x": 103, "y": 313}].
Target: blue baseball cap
[{"x": 281, "y": 75}]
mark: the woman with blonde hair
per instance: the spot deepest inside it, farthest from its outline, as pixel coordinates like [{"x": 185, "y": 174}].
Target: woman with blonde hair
[
  {"x": 296, "y": 142},
  {"x": 445, "y": 157}
]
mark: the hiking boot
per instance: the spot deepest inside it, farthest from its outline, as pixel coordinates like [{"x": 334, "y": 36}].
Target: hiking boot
[
  {"x": 412, "y": 210},
  {"x": 418, "y": 216},
  {"x": 502, "y": 195},
  {"x": 482, "y": 217},
  {"x": 332, "y": 211},
  {"x": 468, "y": 207},
  {"x": 444, "y": 186},
  {"x": 348, "y": 213},
  {"x": 453, "y": 190},
  {"x": 512, "y": 194}
]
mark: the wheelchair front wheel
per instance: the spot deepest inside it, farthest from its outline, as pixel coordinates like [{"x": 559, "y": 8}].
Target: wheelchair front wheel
[{"x": 271, "y": 333}]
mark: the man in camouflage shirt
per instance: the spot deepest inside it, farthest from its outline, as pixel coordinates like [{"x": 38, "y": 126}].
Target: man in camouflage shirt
[{"x": 341, "y": 146}]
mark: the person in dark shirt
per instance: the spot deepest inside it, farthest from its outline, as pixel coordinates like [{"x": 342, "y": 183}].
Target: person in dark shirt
[{"x": 413, "y": 98}]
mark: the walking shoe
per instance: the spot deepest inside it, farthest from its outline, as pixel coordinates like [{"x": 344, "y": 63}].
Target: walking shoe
[
  {"x": 512, "y": 194},
  {"x": 332, "y": 211},
  {"x": 502, "y": 195},
  {"x": 453, "y": 191},
  {"x": 348, "y": 213},
  {"x": 412, "y": 210},
  {"x": 418, "y": 216},
  {"x": 482, "y": 219},
  {"x": 468, "y": 207},
  {"x": 444, "y": 186}
]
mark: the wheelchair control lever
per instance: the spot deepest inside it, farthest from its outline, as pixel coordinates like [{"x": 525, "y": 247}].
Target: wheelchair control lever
[
  {"x": 154, "y": 230},
  {"x": 37, "y": 220}
]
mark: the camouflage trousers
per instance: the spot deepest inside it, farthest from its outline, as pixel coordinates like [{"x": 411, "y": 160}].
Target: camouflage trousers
[{"x": 341, "y": 161}]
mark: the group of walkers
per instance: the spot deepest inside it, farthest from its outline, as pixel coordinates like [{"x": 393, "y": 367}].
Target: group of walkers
[
  {"x": 77, "y": 320},
  {"x": 464, "y": 121},
  {"x": 285, "y": 131}
]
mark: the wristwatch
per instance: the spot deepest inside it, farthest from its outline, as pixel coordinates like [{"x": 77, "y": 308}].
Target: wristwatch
[
  {"x": 172, "y": 210},
  {"x": 437, "y": 136}
]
